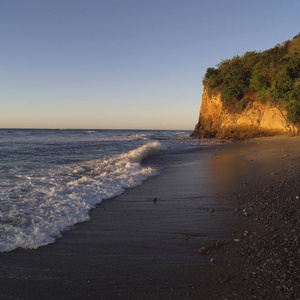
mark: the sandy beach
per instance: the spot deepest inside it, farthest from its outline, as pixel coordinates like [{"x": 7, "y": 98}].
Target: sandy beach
[{"x": 224, "y": 225}]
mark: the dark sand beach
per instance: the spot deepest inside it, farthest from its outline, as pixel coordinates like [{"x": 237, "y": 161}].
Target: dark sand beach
[{"x": 225, "y": 225}]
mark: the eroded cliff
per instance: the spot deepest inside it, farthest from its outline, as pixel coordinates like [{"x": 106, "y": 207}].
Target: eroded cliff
[{"x": 257, "y": 119}]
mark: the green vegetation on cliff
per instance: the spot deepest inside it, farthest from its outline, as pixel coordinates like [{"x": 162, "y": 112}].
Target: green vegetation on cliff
[{"x": 272, "y": 75}]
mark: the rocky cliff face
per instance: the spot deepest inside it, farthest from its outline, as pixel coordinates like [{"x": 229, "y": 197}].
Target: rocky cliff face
[{"x": 257, "y": 119}]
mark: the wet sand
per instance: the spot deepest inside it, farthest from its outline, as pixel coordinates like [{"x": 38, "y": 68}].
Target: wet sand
[{"x": 137, "y": 248}]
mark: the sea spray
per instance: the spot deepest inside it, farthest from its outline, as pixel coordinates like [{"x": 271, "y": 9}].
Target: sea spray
[{"x": 37, "y": 206}]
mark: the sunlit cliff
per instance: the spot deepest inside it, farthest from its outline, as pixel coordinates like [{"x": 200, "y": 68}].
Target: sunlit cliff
[{"x": 255, "y": 94}]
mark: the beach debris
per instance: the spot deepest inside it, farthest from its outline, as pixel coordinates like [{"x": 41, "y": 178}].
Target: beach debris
[
  {"x": 202, "y": 250},
  {"x": 297, "y": 197},
  {"x": 154, "y": 199},
  {"x": 186, "y": 237},
  {"x": 211, "y": 210},
  {"x": 237, "y": 240},
  {"x": 212, "y": 260}
]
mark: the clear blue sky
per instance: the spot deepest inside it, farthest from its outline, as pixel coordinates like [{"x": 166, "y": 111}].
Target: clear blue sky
[{"x": 124, "y": 63}]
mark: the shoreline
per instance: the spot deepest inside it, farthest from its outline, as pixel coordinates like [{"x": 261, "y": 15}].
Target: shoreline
[{"x": 135, "y": 248}]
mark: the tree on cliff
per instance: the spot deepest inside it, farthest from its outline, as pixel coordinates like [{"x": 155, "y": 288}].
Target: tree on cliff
[{"x": 272, "y": 75}]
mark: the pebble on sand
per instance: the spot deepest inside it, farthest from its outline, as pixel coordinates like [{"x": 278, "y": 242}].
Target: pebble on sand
[
  {"x": 202, "y": 250},
  {"x": 237, "y": 240}
]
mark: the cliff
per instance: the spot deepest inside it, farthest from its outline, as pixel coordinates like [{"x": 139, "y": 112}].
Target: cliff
[
  {"x": 255, "y": 94},
  {"x": 257, "y": 119}
]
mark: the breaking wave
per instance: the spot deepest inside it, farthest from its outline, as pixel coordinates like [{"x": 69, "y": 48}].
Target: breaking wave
[{"x": 37, "y": 206}]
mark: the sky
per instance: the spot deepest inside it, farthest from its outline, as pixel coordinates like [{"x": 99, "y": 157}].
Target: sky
[{"x": 124, "y": 64}]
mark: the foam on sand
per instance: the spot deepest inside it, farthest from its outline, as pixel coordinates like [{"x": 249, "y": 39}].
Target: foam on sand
[{"x": 38, "y": 207}]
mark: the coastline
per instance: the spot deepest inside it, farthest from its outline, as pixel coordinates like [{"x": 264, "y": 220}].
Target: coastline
[
  {"x": 269, "y": 206},
  {"x": 135, "y": 248}
]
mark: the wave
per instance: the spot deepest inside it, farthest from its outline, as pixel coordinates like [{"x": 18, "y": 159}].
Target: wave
[
  {"x": 38, "y": 207},
  {"x": 82, "y": 136},
  {"x": 90, "y": 131}
]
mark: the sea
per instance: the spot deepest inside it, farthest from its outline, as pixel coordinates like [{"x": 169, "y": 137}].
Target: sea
[{"x": 51, "y": 179}]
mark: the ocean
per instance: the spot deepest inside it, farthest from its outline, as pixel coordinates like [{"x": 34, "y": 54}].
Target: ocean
[{"x": 51, "y": 179}]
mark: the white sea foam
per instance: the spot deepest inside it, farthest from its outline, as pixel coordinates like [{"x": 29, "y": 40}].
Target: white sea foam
[{"x": 36, "y": 208}]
